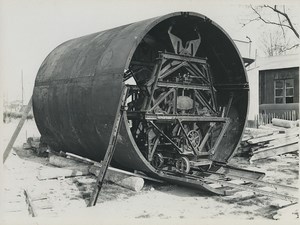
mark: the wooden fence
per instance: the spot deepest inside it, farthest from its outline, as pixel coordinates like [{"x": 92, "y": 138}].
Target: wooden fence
[{"x": 266, "y": 118}]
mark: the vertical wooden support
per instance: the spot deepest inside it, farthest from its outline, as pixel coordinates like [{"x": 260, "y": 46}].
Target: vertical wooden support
[
  {"x": 17, "y": 131},
  {"x": 110, "y": 149}
]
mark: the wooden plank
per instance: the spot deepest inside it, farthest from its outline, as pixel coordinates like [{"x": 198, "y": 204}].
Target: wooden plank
[
  {"x": 256, "y": 133},
  {"x": 135, "y": 174},
  {"x": 283, "y": 141},
  {"x": 65, "y": 162},
  {"x": 279, "y": 203},
  {"x": 80, "y": 158},
  {"x": 252, "y": 189},
  {"x": 271, "y": 128},
  {"x": 267, "y": 185},
  {"x": 17, "y": 131},
  {"x": 284, "y": 123},
  {"x": 278, "y": 144},
  {"x": 240, "y": 196},
  {"x": 288, "y": 212},
  {"x": 30, "y": 205},
  {"x": 73, "y": 162},
  {"x": 274, "y": 151},
  {"x": 271, "y": 137},
  {"x": 128, "y": 181},
  {"x": 53, "y": 173},
  {"x": 294, "y": 130}
]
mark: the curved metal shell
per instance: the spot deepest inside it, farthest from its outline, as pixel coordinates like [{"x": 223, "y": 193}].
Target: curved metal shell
[{"x": 79, "y": 84}]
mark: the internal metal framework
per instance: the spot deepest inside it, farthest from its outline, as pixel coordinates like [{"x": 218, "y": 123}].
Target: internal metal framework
[{"x": 174, "y": 114}]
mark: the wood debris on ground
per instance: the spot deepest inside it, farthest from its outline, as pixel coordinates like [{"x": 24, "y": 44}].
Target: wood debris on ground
[
  {"x": 68, "y": 192},
  {"x": 280, "y": 137}
]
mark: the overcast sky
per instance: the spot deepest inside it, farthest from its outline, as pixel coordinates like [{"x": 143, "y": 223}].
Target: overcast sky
[{"x": 30, "y": 29}]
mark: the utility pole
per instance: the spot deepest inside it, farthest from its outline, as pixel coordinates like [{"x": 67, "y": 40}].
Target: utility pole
[{"x": 22, "y": 87}]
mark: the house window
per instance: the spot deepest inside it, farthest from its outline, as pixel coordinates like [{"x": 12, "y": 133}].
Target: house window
[{"x": 284, "y": 91}]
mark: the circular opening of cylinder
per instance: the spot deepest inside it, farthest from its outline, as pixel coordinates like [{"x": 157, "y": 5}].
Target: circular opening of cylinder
[{"x": 187, "y": 98}]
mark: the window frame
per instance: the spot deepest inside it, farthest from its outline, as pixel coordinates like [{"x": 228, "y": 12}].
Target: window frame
[{"x": 284, "y": 88}]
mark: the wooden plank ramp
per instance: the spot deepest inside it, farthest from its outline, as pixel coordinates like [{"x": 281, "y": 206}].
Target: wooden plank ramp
[
  {"x": 228, "y": 180},
  {"x": 235, "y": 183}
]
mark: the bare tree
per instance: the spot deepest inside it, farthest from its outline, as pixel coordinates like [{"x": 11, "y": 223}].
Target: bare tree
[
  {"x": 279, "y": 41},
  {"x": 274, "y": 43},
  {"x": 283, "y": 20}
]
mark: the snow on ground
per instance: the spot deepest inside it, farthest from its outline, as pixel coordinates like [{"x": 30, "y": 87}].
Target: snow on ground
[{"x": 68, "y": 197}]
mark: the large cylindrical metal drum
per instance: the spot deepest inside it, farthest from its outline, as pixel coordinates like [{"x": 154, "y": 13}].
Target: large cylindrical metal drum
[{"x": 182, "y": 57}]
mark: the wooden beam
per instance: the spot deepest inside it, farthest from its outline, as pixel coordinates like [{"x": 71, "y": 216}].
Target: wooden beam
[
  {"x": 284, "y": 123},
  {"x": 274, "y": 151},
  {"x": 17, "y": 131},
  {"x": 270, "y": 138},
  {"x": 77, "y": 162},
  {"x": 127, "y": 181},
  {"x": 56, "y": 172},
  {"x": 31, "y": 209}
]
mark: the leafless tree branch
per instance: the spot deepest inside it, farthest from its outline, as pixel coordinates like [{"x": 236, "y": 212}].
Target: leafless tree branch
[
  {"x": 275, "y": 44},
  {"x": 291, "y": 47},
  {"x": 289, "y": 24},
  {"x": 279, "y": 19}
]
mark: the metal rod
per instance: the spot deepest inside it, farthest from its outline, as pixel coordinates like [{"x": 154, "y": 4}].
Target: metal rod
[
  {"x": 225, "y": 126},
  {"x": 213, "y": 95},
  {"x": 169, "y": 65},
  {"x": 201, "y": 98},
  {"x": 151, "y": 153},
  {"x": 167, "y": 73},
  {"x": 204, "y": 87},
  {"x": 168, "y": 117},
  {"x": 190, "y": 67},
  {"x": 184, "y": 58},
  {"x": 162, "y": 98},
  {"x": 162, "y": 133},
  {"x": 229, "y": 105},
  {"x": 205, "y": 139},
  {"x": 155, "y": 77}
]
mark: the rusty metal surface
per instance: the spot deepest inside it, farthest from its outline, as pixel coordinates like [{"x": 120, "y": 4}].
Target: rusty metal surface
[{"x": 79, "y": 84}]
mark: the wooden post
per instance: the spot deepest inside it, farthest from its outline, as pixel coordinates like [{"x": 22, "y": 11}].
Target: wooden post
[{"x": 17, "y": 131}]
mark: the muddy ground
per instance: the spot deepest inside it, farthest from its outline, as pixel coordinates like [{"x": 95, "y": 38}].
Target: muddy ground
[{"x": 68, "y": 197}]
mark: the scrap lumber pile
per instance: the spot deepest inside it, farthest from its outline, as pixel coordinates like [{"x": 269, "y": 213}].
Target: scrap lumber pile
[
  {"x": 70, "y": 165},
  {"x": 280, "y": 137},
  {"x": 67, "y": 167}
]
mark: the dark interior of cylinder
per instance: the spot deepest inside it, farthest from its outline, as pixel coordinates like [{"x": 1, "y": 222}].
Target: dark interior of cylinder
[{"x": 187, "y": 98}]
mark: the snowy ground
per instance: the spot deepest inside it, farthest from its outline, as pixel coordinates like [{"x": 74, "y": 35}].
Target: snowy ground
[{"x": 67, "y": 198}]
